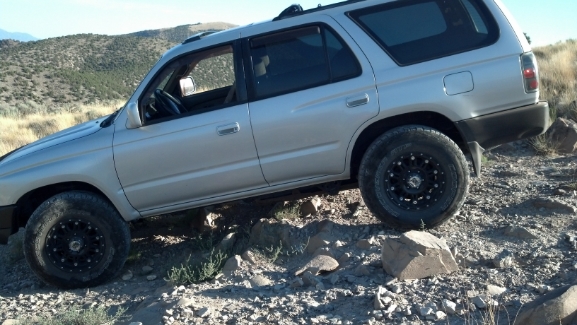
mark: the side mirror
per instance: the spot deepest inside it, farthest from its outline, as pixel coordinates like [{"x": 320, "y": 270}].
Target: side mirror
[
  {"x": 134, "y": 120},
  {"x": 187, "y": 86}
]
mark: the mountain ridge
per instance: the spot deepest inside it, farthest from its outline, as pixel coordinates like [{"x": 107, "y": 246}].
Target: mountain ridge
[
  {"x": 22, "y": 37},
  {"x": 82, "y": 68}
]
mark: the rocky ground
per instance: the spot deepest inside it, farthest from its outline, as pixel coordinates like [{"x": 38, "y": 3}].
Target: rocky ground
[{"x": 513, "y": 241}]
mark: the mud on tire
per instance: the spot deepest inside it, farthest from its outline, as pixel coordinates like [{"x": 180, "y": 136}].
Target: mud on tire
[
  {"x": 413, "y": 177},
  {"x": 76, "y": 239}
]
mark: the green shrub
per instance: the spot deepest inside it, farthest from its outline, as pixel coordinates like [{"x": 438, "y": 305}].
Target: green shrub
[{"x": 198, "y": 271}]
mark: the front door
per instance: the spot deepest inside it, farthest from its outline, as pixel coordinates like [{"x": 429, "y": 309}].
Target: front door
[{"x": 196, "y": 142}]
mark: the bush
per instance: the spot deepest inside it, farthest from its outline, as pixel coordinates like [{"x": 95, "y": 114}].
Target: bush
[
  {"x": 194, "y": 271},
  {"x": 558, "y": 72}
]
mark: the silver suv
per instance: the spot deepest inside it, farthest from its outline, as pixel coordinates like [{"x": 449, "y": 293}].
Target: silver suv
[{"x": 389, "y": 96}]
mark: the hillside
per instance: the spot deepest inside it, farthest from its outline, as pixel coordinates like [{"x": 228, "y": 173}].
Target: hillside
[{"x": 81, "y": 69}]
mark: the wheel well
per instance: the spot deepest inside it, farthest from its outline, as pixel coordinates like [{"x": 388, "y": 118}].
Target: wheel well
[
  {"x": 29, "y": 202},
  {"x": 430, "y": 119}
]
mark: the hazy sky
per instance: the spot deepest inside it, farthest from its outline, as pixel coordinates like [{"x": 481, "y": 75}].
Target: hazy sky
[{"x": 546, "y": 21}]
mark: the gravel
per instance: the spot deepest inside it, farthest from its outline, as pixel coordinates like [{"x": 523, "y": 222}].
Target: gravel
[{"x": 514, "y": 240}]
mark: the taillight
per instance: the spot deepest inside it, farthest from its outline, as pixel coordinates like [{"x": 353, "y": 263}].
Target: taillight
[{"x": 530, "y": 72}]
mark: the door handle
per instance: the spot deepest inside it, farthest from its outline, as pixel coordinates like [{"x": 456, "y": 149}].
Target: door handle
[
  {"x": 357, "y": 100},
  {"x": 228, "y": 129}
]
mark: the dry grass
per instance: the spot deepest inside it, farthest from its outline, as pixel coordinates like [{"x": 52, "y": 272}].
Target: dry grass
[
  {"x": 558, "y": 71},
  {"x": 18, "y": 130}
]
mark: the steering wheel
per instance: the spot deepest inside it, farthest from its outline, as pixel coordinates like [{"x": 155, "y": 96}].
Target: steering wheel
[{"x": 167, "y": 104}]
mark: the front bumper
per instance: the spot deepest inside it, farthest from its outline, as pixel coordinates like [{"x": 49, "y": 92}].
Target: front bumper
[
  {"x": 492, "y": 130},
  {"x": 7, "y": 223}
]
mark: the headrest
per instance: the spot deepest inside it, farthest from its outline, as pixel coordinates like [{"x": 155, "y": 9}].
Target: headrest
[
  {"x": 266, "y": 60},
  {"x": 259, "y": 69}
]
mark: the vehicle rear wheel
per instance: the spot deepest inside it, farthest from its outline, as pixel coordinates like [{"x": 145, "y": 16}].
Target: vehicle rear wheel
[
  {"x": 413, "y": 177},
  {"x": 76, "y": 239}
]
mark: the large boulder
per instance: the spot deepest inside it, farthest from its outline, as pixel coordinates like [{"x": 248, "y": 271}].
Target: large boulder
[
  {"x": 417, "y": 255},
  {"x": 559, "y": 307},
  {"x": 563, "y": 134}
]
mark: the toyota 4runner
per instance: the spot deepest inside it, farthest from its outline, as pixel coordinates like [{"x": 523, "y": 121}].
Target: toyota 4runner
[{"x": 390, "y": 96}]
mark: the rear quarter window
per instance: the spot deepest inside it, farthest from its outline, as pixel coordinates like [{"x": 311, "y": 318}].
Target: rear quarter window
[{"x": 414, "y": 31}]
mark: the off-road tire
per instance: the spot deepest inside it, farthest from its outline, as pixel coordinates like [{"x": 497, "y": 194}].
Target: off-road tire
[
  {"x": 413, "y": 177},
  {"x": 75, "y": 240}
]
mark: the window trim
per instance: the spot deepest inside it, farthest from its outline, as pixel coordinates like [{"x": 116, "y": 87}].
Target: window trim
[
  {"x": 493, "y": 28},
  {"x": 248, "y": 64},
  {"x": 240, "y": 79}
]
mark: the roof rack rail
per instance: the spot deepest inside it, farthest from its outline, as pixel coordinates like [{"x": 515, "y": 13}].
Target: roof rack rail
[
  {"x": 292, "y": 10},
  {"x": 297, "y": 10},
  {"x": 198, "y": 36}
]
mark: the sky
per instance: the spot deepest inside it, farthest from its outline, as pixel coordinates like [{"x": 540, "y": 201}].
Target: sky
[{"x": 545, "y": 21}]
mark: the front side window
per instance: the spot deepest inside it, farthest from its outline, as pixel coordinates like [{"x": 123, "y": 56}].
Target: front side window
[
  {"x": 299, "y": 59},
  {"x": 414, "y": 31},
  {"x": 192, "y": 84}
]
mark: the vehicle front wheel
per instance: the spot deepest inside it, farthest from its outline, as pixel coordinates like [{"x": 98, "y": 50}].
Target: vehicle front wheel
[
  {"x": 413, "y": 177},
  {"x": 76, "y": 239}
]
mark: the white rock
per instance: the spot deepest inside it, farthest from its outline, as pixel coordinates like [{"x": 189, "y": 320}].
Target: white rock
[
  {"x": 378, "y": 303},
  {"x": 391, "y": 308},
  {"x": 259, "y": 281},
  {"x": 204, "y": 312},
  {"x": 495, "y": 290},
  {"x": 417, "y": 255},
  {"x": 232, "y": 264},
  {"x": 449, "y": 306},
  {"x": 407, "y": 311},
  {"x": 504, "y": 259},
  {"x": 318, "y": 241},
  {"x": 424, "y": 311},
  {"x": 127, "y": 276},
  {"x": 319, "y": 263},
  {"x": 479, "y": 302},
  {"x": 439, "y": 315}
]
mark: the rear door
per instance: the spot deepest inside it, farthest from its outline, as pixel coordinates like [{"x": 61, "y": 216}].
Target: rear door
[{"x": 310, "y": 90}]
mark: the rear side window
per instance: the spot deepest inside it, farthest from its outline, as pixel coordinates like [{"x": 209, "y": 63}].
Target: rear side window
[
  {"x": 414, "y": 31},
  {"x": 298, "y": 59}
]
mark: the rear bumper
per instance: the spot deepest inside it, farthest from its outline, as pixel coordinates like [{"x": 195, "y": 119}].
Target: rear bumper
[
  {"x": 7, "y": 223},
  {"x": 495, "y": 129},
  {"x": 489, "y": 131}
]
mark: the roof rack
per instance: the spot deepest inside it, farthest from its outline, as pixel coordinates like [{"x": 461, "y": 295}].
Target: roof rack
[
  {"x": 198, "y": 36},
  {"x": 297, "y": 10},
  {"x": 292, "y": 10}
]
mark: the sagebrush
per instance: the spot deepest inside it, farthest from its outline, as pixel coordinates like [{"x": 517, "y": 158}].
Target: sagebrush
[{"x": 18, "y": 130}]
